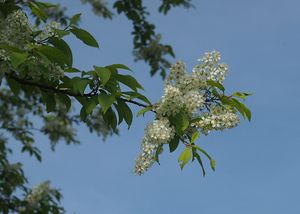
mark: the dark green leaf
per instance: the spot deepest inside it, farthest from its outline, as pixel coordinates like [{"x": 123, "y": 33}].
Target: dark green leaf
[
  {"x": 144, "y": 110},
  {"x": 85, "y": 37},
  {"x": 197, "y": 156},
  {"x": 174, "y": 143},
  {"x": 76, "y": 84},
  {"x": 129, "y": 81},
  {"x": 61, "y": 33},
  {"x": 75, "y": 19},
  {"x": 72, "y": 70},
  {"x": 54, "y": 54},
  {"x": 180, "y": 121},
  {"x": 65, "y": 100},
  {"x": 49, "y": 99},
  {"x": 127, "y": 113},
  {"x": 90, "y": 105},
  {"x": 212, "y": 161},
  {"x": 119, "y": 66},
  {"x": 17, "y": 58},
  {"x": 106, "y": 100},
  {"x": 14, "y": 86},
  {"x": 216, "y": 84},
  {"x": 158, "y": 151},
  {"x": 103, "y": 73},
  {"x": 120, "y": 113},
  {"x": 37, "y": 10},
  {"x": 134, "y": 94},
  {"x": 110, "y": 118},
  {"x": 64, "y": 48}
]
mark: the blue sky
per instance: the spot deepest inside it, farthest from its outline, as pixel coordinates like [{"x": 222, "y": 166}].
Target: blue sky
[{"x": 257, "y": 163}]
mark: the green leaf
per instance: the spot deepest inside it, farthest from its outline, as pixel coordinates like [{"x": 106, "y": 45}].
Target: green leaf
[
  {"x": 197, "y": 156},
  {"x": 241, "y": 108},
  {"x": 120, "y": 113},
  {"x": 119, "y": 66},
  {"x": 75, "y": 19},
  {"x": 61, "y": 33},
  {"x": 144, "y": 110},
  {"x": 65, "y": 100},
  {"x": 38, "y": 11},
  {"x": 54, "y": 54},
  {"x": 158, "y": 151},
  {"x": 185, "y": 157},
  {"x": 91, "y": 104},
  {"x": 180, "y": 121},
  {"x": 216, "y": 84},
  {"x": 49, "y": 99},
  {"x": 110, "y": 118},
  {"x": 106, "y": 100},
  {"x": 17, "y": 58},
  {"x": 212, "y": 161},
  {"x": 103, "y": 73},
  {"x": 10, "y": 48},
  {"x": 241, "y": 95},
  {"x": 14, "y": 86},
  {"x": 213, "y": 164},
  {"x": 127, "y": 113},
  {"x": 129, "y": 81},
  {"x": 195, "y": 137},
  {"x": 134, "y": 94},
  {"x": 245, "y": 109},
  {"x": 76, "y": 84},
  {"x": 173, "y": 144},
  {"x": 85, "y": 37},
  {"x": 72, "y": 70},
  {"x": 45, "y": 4},
  {"x": 64, "y": 48}
]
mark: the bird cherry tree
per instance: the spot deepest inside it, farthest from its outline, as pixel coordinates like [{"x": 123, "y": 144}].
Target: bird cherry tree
[{"x": 39, "y": 84}]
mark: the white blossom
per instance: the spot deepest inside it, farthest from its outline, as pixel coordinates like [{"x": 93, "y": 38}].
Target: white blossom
[
  {"x": 171, "y": 102},
  {"x": 38, "y": 193},
  {"x": 15, "y": 29},
  {"x": 49, "y": 30},
  {"x": 158, "y": 132},
  {"x": 218, "y": 119},
  {"x": 146, "y": 158},
  {"x": 193, "y": 101},
  {"x": 186, "y": 93}
]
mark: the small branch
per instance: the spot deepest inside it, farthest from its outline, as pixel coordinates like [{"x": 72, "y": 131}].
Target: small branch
[{"x": 67, "y": 92}]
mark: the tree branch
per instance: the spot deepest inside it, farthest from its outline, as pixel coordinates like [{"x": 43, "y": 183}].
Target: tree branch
[{"x": 67, "y": 92}]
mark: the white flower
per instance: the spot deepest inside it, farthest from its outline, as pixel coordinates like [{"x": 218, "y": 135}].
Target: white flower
[
  {"x": 171, "y": 102},
  {"x": 15, "y": 29},
  {"x": 146, "y": 159},
  {"x": 38, "y": 193},
  {"x": 177, "y": 70},
  {"x": 193, "y": 101},
  {"x": 159, "y": 131},
  {"x": 49, "y": 30},
  {"x": 218, "y": 119}
]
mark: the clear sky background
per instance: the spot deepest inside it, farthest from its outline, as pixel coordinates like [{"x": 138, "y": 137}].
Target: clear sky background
[{"x": 258, "y": 163}]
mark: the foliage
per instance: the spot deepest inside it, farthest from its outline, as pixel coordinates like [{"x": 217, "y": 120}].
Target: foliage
[{"x": 41, "y": 91}]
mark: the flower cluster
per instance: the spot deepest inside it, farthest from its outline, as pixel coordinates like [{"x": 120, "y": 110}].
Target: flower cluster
[
  {"x": 191, "y": 95},
  {"x": 218, "y": 119},
  {"x": 38, "y": 193},
  {"x": 156, "y": 133},
  {"x": 16, "y": 31},
  {"x": 50, "y": 30}
]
